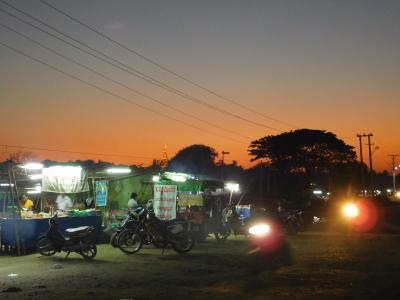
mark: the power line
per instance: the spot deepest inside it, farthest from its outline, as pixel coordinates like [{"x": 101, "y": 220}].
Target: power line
[
  {"x": 119, "y": 83},
  {"x": 159, "y": 65},
  {"x": 113, "y": 94},
  {"x": 133, "y": 72},
  {"x": 72, "y": 152}
]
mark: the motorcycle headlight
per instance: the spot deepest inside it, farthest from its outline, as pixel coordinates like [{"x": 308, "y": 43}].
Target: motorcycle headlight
[
  {"x": 260, "y": 230},
  {"x": 351, "y": 211}
]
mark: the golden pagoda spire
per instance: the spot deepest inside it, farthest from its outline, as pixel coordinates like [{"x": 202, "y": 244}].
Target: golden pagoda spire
[{"x": 164, "y": 160}]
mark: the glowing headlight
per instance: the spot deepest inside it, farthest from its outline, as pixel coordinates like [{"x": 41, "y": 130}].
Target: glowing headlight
[
  {"x": 351, "y": 211},
  {"x": 260, "y": 230}
]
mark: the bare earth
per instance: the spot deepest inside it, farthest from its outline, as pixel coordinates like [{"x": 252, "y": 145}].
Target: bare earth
[{"x": 324, "y": 266}]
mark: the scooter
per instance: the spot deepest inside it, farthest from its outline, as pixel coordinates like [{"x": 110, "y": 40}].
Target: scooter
[{"x": 79, "y": 240}]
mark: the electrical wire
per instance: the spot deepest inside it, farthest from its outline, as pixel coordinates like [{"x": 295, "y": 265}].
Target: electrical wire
[
  {"x": 115, "y": 95},
  {"x": 119, "y": 83},
  {"x": 163, "y": 67},
  {"x": 136, "y": 73}
]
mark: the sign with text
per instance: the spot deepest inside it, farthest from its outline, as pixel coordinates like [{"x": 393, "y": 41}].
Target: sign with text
[
  {"x": 101, "y": 193},
  {"x": 165, "y": 201}
]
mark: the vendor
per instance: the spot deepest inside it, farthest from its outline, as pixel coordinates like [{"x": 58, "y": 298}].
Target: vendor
[
  {"x": 63, "y": 202},
  {"x": 26, "y": 203}
]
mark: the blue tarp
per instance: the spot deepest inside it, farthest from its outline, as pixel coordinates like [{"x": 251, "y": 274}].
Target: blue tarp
[{"x": 31, "y": 229}]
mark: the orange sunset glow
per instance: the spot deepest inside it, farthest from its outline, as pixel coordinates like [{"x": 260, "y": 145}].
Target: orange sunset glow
[{"x": 334, "y": 70}]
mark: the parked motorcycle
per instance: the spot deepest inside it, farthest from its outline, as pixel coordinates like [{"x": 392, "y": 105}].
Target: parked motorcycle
[
  {"x": 80, "y": 240},
  {"x": 131, "y": 221},
  {"x": 292, "y": 220},
  {"x": 231, "y": 223},
  {"x": 160, "y": 233}
]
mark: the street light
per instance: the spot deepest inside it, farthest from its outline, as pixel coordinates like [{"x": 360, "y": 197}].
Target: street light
[
  {"x": 222, "y": 163},
  {"x": 232, "y": 187}
]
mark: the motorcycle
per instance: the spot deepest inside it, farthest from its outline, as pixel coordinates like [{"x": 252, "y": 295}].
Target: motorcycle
[
  {"x": 130, "y": 222},
  {"x": 292, "y": 220},
  {"x": 269, "y": 247},
  {"x": 232, "y": 222},
  {"x": 80, "y": 240},
  {"x": 160, "y": 233}
]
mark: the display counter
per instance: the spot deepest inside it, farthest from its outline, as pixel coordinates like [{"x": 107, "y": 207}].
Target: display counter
[{"x": 31, "y": 229}]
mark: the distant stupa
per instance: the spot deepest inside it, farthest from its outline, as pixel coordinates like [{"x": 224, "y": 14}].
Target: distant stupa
[{"x": 164, "y": 160}]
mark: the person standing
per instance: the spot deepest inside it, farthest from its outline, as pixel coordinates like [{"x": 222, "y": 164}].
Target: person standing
[
  {"x": 26, "y": 203},
  {"x": 63, "y": 202}
]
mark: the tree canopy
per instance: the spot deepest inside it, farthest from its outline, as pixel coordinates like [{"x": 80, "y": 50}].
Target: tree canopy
[
  {"x": 194, "y": 159},
  {"x": 303, "y": 150}
]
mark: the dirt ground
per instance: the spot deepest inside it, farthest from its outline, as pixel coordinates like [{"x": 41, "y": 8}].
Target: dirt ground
[{"x": 324, "y": 266}]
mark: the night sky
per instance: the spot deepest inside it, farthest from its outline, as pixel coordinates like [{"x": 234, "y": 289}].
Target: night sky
[{"x": 332, "y": 65}]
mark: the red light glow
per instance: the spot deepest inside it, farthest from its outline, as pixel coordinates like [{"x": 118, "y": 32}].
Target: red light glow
[{"x": 367, "y": 218}]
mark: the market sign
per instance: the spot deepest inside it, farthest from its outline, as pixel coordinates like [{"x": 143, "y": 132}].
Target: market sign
[
  {"x": 190, "y": 200},
  {"x": 165, "y": 201},
  {"x": 101, "y": 193},
  {"x": 64, "y": 179}
]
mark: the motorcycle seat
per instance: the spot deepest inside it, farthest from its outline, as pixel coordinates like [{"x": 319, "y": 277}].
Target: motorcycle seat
[{"x": 77, "y": 229}]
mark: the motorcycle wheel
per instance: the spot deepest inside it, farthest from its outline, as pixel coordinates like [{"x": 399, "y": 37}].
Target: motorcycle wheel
[
  {"x": 223, "y": 234},
  {"x": 45, "y": 247},
  {"x": 129, "y": 242},
  {"x": 183, "y": 243},
  {"x": 89, "y": 250},
  {"x": 114, "y": 239}
]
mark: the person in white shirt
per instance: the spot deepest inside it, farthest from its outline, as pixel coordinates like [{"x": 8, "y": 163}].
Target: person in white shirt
[
  {"x": 132, "y": 203},
  {"x": 63, "y": 202}
]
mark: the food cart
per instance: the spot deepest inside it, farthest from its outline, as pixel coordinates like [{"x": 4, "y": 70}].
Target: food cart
[{"x": 20, "y": 228}]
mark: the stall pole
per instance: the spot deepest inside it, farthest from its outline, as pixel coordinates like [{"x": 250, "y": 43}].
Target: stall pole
[
  {"x": 19, "y": 211},
  {"x": 16, "y": 228},
  {"x": 4, "y": 205},
  {"x": 94, "y": 192},
  {"x": 16, "y": 192}
]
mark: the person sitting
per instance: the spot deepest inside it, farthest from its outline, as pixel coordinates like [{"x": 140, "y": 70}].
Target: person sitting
[
  {"x": 132, "y": 203},
  {"x": 26, "y": 203}
]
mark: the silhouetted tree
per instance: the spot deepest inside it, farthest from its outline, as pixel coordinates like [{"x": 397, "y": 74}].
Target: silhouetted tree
[
  {"x": 303, "y": 151},
  {"x": 195, "y": 159},
  {"x": 21, "y": 157}
]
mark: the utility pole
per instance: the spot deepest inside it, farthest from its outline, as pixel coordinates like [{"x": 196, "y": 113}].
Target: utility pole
[
  {"x": 393, "y": 156},
  {"x": 360, "y": 136},
  {"x": 370, "y": 164},
  {"x": 222, "y": 164}
]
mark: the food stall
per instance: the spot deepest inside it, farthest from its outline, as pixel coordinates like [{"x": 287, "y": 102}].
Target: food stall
[
  {"x": 200, "y": 200},
  {"x": 46, "y": 187}
]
